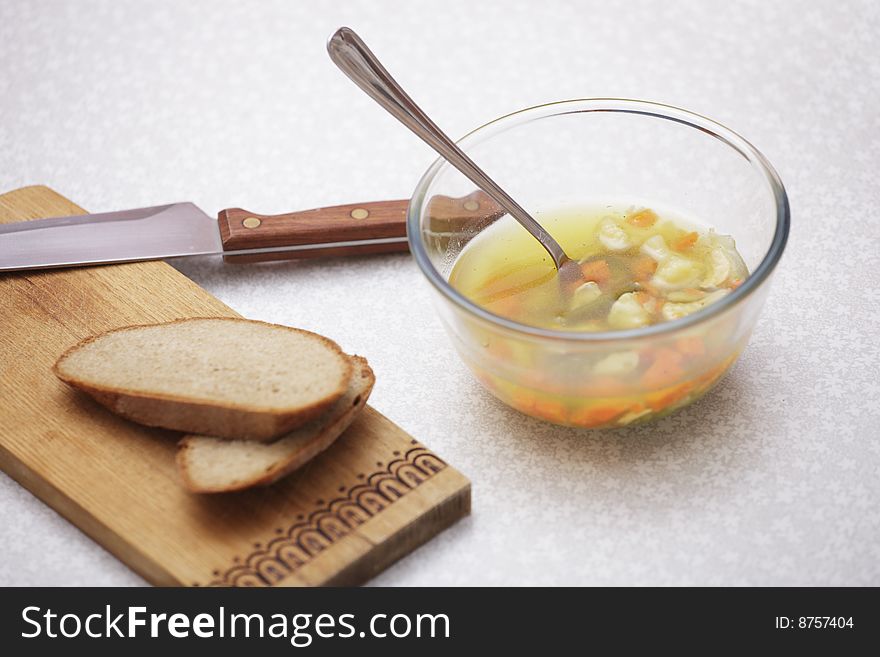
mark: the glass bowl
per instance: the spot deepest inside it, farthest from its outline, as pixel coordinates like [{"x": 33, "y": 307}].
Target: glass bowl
[{"x": 579, "y": 153}]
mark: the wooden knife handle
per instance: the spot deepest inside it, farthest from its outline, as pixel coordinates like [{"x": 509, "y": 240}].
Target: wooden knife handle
[{"x": 244, "y": 230}]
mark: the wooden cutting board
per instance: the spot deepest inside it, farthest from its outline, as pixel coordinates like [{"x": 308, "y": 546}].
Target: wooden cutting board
[{"x": 371, "y": 498}]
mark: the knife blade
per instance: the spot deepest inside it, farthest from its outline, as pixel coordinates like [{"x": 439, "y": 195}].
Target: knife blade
[{"x": 182, "y": 229}]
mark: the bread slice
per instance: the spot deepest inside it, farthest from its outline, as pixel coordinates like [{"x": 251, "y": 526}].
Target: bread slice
[
  {"x": 227, "y": 377},
  {"x": 215, "y": 465}
]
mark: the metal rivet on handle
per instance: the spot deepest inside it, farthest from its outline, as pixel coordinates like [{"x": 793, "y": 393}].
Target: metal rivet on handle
[
  {"x": 471, "y": 206},
  {"x": 251, "y": 222},
  {"x": 360, "y": 213}
]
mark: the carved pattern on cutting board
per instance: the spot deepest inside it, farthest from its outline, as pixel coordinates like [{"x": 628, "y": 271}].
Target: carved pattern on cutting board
[{"x": 298, "y": 544}]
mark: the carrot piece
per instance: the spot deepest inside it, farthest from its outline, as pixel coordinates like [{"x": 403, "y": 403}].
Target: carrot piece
[
  {"x": 643, "y": 218},
  {"x": 599, "y": 414},
  {"x": 735, "y": 284},
  {"x": 670, "y": 396},
  {"x": 665, "y": 370},
  {"x": 521, "y": 400},
  {"x": 649, "y": 302},
  {"x": 644, "y": 267},
  {"x": 691, "y": 346},
  {"x": 596, "y": 270},
  {"x": 549, "y": 409},
  {"x": 510, "y": 306},
  {"x": 685, "y": 242}
]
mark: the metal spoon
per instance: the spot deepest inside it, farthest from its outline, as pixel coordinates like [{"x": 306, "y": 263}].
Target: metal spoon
[{"x": 354, "y": 58}]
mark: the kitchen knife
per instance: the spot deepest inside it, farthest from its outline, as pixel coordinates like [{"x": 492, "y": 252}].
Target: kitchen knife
[{"x": 182, "y": 229}]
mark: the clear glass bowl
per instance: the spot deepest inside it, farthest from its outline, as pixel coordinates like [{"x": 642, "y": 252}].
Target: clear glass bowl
[{"x": 581, "y": 152}]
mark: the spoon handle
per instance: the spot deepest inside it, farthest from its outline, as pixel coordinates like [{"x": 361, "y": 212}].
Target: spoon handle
[{"x": 355, "y": 59}]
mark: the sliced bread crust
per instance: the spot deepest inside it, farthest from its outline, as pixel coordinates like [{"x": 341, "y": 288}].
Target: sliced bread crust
[
  {"x": 215, "y": 465},
  {"x": 215, "y": 388}
]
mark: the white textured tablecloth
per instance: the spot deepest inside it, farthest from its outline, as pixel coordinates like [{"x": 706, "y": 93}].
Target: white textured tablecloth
[{"x": 771, "y": 479}]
